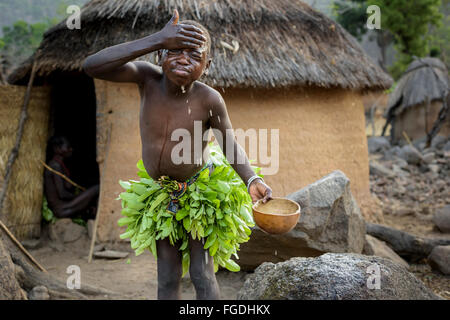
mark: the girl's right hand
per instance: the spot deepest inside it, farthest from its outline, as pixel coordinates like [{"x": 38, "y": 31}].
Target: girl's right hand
[{"x": 180, "y": 36}]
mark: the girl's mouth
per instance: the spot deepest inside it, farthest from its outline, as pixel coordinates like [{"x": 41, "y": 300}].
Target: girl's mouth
[{"x": 182, "y": 72}]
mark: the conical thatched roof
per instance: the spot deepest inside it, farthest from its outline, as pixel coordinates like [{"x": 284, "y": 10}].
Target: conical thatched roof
[
  {"x": 424, "y": 79},
  {"x": 281, "y": 43}
]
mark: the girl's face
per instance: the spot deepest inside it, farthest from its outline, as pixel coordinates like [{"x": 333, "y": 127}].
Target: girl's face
[
  {"x": 65, "y": 150},
  {"x": 184, "y": 66}
]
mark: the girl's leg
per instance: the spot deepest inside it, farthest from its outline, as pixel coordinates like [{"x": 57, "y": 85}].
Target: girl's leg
[
  {"x": 202, "y": 272},
  {"x": 169, "y": 270}
]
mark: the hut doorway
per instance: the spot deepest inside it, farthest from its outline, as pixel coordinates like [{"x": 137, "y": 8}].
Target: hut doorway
[{"x": 73, "y": 115}]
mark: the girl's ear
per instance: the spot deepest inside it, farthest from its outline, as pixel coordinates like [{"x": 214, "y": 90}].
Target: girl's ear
[{"x": 208, "y": 64}]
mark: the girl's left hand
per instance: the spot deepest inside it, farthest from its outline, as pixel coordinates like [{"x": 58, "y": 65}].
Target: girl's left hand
[{"x": 259, "y": 190}]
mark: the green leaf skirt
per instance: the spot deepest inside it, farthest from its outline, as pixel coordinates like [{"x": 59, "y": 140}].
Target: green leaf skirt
[{"x": 214, "y": 207}]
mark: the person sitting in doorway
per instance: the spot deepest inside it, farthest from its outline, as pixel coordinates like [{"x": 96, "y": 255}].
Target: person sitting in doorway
[{"x": 61, "y": 196}]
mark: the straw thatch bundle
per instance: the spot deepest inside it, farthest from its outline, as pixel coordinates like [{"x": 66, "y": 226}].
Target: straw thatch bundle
[
  {"x": 255, "y": 43},
  {"x": 24, "y": 197},
  {"x": 424, "y": 80}
]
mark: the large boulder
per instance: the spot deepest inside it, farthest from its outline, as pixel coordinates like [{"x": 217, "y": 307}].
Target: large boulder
[
  {"x": 378, "y": 144},
  {"x": 439, "y": 259},
  {"x": 375, "y": 247},
  {"x": 334, "y": 276},
  {"x": 64, "y": 231},
  {"x": 441, "y": 219},
  {"x": 330, "y": 221},
  {"x": 410, "y": 154}
]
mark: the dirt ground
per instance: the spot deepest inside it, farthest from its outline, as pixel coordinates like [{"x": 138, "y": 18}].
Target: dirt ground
[
  {"x": 136, "y": 277},
  {"x": 131, "y": 277},
  {"x": 423, "y": 226}
]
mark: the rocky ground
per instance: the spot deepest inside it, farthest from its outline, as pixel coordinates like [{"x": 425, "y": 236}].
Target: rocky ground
[{"x": 412, "y": 184}]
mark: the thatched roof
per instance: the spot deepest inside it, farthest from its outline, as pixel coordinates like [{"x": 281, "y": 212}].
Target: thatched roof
[
  {"x": 281, "y": 43},
  {"x": 424, "y": 79}
]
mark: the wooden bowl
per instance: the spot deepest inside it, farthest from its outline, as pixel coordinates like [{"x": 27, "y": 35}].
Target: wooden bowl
[{"x": 276, "y": 216}]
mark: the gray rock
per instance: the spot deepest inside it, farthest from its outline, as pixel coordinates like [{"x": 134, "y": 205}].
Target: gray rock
[
  {"x": 31, "y": 244},
  {"x": 399, "y": 171},
  {"x": 39, "y": 293},
  {"x": 435, "y": 168},
  {"x": 111, "y": 254},
  {"x": 446, "y": 147},
  {"x": 439, "y": 259},
  {"x": 441, "y": 219},
  {"x": 334, "y": 277},
  {"x": 378, "y": 144},
  {"x": 375, "y": 247},
  {"x": 429, "y": 157},
  {"x": 392, "y": 154},
  {"x": 402, "y": 164},
  {"x": 420, "y": 143},
  {"x": 377, "y": 168},
  {"x": 99, "y": 247},
  {"x": 64, "y": 230},
  {"x": 330, "y": 221},
  {"x": 438, "y": 142},
  {"x": 410, "y": 154}
]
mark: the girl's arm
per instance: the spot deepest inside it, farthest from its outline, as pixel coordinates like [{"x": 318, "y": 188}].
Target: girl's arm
[{"x": 114, "y": 63}]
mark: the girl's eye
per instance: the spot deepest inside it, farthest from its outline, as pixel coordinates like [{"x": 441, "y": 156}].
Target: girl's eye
[
  {"x": 196, "y": 54},
  {"x": 174, "y": 51}
]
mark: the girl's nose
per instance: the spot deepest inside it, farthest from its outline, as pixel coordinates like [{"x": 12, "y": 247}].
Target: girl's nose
[{"x": 183, "y": 59}]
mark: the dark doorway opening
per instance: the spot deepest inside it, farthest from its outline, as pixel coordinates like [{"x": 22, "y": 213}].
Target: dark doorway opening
[{"x": 73, "y": 115}]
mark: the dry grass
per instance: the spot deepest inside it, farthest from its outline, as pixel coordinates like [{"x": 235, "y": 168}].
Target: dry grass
[
  {"x": 24, "y": 196},
  {"x": 424, "y": 79},
  {"x": 281, "y": 43}
]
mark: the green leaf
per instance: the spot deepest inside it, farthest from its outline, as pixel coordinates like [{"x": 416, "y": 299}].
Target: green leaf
[
  {"x": 213, "y": 248},
  {"x": 185, "y": 262},
  {"x": 129, "y": 212},
  {"x": 187, "y": 224},
  {"x": 127, "y": 234},
  {"x": 209, "y": 230},
  {"x": 160, "y": 198},
  {"x": 181, "y": 214},
  {"x": 128, "y": 196},
  {"x": 184, "y": 245},
  {"x": 219, "y": 214},
  {"x": 232, "y": 266},
  {"x": 200, "y": 230},
  {"x": 138, "y": 188},
  {"x": 135, "y": 205},
  {"x": 147, "y": 194},
  {"x": 125, "y": 221},
  {"x": 210, "y": 241},
  {"x": 140, "y": 165},
  {"x": 153, "y": 247},
  {"x": 245, "y": 213},
  {"x": 125, "y": 184}
]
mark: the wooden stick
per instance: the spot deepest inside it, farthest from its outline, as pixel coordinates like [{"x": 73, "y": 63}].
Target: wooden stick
[
  {"x": 407, "y": 139},
  {"x": 15, "y": 151},
  {"x": 62, "y": 176},
  {"x": 18, "y": 244},
  {"x": 408, "y": 246},
  {"x": 100, "y": 199}
]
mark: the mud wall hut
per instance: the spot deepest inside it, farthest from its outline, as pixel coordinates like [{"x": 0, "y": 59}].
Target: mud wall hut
[{"x": 279, "y": 65}]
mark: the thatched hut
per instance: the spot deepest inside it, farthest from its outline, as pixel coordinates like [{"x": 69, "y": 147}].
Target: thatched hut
[
  {"x": 278, "y": 64},
  {"x": 418, "y": 100}
]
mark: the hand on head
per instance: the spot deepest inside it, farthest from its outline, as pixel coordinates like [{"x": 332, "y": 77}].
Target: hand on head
[{"x": 180, "y": 36}]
